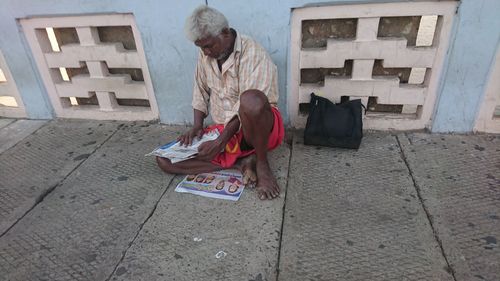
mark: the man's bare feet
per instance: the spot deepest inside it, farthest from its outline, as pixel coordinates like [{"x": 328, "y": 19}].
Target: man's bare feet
[
  {"x": 259, "y": 173},
  {"x": 247, "y": 168},
  {"x": 267, "y": 186}
]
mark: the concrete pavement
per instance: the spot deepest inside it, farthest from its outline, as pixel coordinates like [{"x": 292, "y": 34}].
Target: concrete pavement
[{"x": 79, "y": 201}]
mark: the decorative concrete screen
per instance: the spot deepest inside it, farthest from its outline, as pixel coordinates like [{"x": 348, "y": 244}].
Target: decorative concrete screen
[
  {"x": 11, "y": 104},
  {"x": 93, "y": 66},
  {"x": 488, "y": 119},
  {"x": 389, "y": 55}
]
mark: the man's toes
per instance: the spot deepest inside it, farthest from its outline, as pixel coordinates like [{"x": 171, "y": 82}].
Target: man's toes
[
  {"x": 276, "y": 190},
  {"x": 275, "y": 193},
  {"x": 267, "y": 194},
  {"x": 270, "y": 195},
  {"x": 262, "y": 196},
  {"x": 247, "y": 182},
  {"x": 249, "y": 177},
  {"x": 245, "y": 179},
  {"x": 253, "y": 177}
]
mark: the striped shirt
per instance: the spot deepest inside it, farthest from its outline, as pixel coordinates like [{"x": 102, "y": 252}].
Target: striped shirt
[{"x": 248, "y": 67}]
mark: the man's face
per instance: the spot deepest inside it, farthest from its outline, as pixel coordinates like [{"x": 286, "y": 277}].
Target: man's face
[{"x": 214, "y": 46}]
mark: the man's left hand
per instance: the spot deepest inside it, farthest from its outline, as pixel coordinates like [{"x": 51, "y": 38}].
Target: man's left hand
[{"x": 208, "y": 150}]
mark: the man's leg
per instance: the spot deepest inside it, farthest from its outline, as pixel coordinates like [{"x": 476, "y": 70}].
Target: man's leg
[
  {"x": 257, "y": 122},
  {"x": 191, "y": 166}
]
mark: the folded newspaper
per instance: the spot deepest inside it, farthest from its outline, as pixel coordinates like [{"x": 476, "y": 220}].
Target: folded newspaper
[
  {"x": 177, "y": 152},
  {"x": 225, "y": 184}
]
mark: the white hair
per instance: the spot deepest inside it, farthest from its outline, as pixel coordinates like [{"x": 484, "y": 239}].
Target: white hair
[{"x": 204, "y": 22}]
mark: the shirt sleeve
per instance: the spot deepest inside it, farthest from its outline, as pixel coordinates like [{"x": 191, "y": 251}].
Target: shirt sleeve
[
  {"x": 258, "y": 72},
  {"x": 201, "y": 95}
]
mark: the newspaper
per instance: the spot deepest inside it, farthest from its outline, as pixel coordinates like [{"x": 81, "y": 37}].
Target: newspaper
[
  {"x": 225, "y": 184},
  {"x": 177, "y": 152}
]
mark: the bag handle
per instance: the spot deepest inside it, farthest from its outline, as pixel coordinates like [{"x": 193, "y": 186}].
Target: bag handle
[{"x": 364, "y": 107}]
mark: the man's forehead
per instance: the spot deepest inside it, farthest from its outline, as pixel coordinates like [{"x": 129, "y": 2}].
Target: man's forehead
[{"x": 204, "y": 41}]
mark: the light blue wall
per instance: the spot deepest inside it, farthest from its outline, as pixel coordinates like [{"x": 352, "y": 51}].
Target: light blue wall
[
  {"x": 471, "y": 55},
  {"x": 21, "y": 66},
  {"x": 171, "y": 58}
]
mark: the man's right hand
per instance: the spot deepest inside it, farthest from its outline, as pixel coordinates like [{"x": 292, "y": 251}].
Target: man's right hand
[{"x": 188, "y": 137}]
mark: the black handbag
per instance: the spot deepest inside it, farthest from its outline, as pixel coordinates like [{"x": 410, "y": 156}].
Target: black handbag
[{"x": 334, "y": 125}]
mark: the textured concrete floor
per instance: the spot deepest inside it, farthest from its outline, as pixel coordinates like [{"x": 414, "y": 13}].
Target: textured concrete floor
[{"x": 79, "y": 201}]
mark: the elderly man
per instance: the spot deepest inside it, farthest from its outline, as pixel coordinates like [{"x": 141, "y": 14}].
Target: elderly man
[{"x": 237, "y": 80}]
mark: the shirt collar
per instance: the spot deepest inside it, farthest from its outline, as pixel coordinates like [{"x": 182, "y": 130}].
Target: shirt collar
[{"x": 237, "y": 42}]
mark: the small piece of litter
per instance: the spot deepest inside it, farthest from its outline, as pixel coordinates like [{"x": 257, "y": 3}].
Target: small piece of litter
[
  {"x": 196, "y": 239},
  {"x": 220, "y": 254}
]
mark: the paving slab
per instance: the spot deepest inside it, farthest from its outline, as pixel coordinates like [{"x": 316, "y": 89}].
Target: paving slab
[
  {"x": 82, "y": 228},
  {"x": 186, "y": 232},
  {"x": 40, "y": 161},
  {"x": 16, "y": 131},
  {"x": 459, "y": 181},
  {"x": 5, "y": 121},
  {"x": 355, "y": 215}
]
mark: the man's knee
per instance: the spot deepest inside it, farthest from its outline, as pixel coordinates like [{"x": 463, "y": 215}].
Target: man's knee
[{"x": 253, "y": 102}]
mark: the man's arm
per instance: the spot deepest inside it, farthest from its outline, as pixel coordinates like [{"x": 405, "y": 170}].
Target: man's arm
[
  {"x": 230, "y": 129},
  {"x": 196, "y": 130},
  {"x": 199, "y": 116},
  {"x": 200, "y": 102}
]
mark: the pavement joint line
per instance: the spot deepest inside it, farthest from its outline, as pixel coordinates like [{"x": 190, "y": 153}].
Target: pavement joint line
[
  {"x": 42, "y": 196},
  {"x": 427, "y": 212},
  {"x": 19, "y": 141},
  {"x": 284, "y": 209},
  {"x": 141, "y": 226}
]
